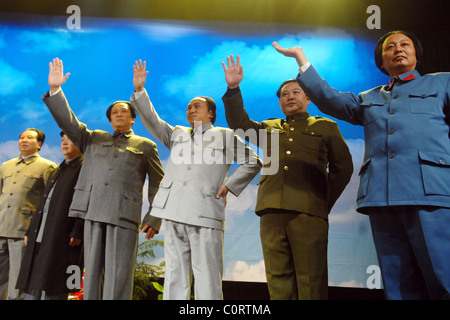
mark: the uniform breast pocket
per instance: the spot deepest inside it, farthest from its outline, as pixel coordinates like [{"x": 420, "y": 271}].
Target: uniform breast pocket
[
  {"x": 103, "y": 149},
  {"x": 425, "y": 103},
  {"x": 134, "y": 153},
  {"x": 312, "y": 140},
  {"x": 372, "y": 110}
]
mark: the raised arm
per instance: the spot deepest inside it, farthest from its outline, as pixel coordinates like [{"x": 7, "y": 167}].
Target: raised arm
[
  {"x": 341, "y": 105},
  {"x": 59, "y": 107},
  {"x": 235, "y": 113},
  {"x": 295, "y": 52},
  {"x": 158, "y": 128}
]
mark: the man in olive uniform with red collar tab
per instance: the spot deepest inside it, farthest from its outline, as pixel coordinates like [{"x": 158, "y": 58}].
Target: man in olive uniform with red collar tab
[{"x": 315, "y": 165}]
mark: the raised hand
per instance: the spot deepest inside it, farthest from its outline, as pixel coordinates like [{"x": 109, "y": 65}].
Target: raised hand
[
  {"x": 139, "y": 75},
  {"x": 56, "y": 77},
  {"x": 234, "y": 72},
  {"x": 295, "y": 52}
]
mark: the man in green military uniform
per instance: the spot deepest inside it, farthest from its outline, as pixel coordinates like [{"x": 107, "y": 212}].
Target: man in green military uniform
[{"x": 315, "y": 165}]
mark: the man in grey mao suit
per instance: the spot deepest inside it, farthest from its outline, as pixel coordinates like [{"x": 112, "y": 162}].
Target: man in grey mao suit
[
  {"x": 192, "y": 196},
  {"x": 108, "y": 194}
]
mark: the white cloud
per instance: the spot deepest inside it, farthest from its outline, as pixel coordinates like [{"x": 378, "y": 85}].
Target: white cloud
[
  {"x": 166, "y": 32},
  {"x": 351, "y": 284},
  {"x": 265, "y": 69},
  {"x": 9, "y": 150},
  {"x": 242, "y": 271}
]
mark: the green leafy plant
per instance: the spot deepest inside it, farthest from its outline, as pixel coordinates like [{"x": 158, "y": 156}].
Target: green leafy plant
[{"x": 147, "y": 277}]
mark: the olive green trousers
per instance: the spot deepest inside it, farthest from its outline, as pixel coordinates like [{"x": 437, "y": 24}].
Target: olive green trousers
[{"x": 295, "y": 255}]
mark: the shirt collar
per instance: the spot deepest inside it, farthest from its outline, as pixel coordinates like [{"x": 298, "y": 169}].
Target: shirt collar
[
  {"x": 29, "y": 159},
  {"x": 403, "y": 78},
  {"x": 73, "y": 162},
  {"x": 125, "y": 134}
]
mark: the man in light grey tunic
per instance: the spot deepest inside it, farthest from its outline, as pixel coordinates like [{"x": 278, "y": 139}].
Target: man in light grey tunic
[{"x": 192, "y": 196}]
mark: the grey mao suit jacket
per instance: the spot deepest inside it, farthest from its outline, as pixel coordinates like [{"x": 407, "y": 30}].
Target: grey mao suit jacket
[
  {"x": 198, "y": 165},
  {"x": 109, "y": 188}
]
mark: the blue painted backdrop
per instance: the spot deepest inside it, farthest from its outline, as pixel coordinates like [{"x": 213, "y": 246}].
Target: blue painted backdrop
[{"x": 184, "y": 61}]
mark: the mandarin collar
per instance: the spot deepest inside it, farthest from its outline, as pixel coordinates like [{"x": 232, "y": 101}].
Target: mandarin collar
[
  {"x": 403, "y": 78},
  {"x": 202, "y": 128},
  {"x": 125, "y": 134},
  {"x": 298, "y": 116}
]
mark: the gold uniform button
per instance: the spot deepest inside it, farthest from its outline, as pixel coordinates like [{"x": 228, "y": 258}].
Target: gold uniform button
[
  {"x": 286, "y": 168},
  {"x": 291, "y": 128},
  {"x": 288, "y": 152},
  {"x": 290, "y": 139}
]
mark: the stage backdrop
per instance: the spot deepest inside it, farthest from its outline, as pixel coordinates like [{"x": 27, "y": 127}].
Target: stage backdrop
[{"x": 184, "y": 60}]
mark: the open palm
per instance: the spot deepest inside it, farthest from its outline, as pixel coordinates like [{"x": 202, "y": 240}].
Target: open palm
[
  {"x": 234, "y": 72},
  {"x": 56, "y": 77},
  {"x": 139, "y": 75}
]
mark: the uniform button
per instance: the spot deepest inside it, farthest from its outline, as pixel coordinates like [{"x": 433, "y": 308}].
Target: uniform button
[
  {"x": 290, "y": 139},
  {"x": 392, "y": 155},
  {"x": 392, "y": 111},
  {"x": 391, "y": 131},
  {"x": 442, "y": 161},
  {"x": 286, "y": 168},
  {"x": 291, "y": 128},
  {"x": 288, "y": 152},
  {"x": 395, "y": 97}
]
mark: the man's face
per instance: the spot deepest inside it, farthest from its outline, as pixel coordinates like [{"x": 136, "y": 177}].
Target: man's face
[
  {"x": 68, "y": 149},
  {"x": 398, "y": 54},
  {"x": 121, "y": 119},
  {"x": 197, "y": 111},
  {"x": 293, "y": 100},
  {"x": 28, "y": 143}
]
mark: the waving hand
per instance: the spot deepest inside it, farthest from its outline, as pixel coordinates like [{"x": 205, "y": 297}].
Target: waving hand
[
  {"x": 234, "y": 73},
  {"x": 56, "y": 77},
  {"x": 139, "y": 75}
]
